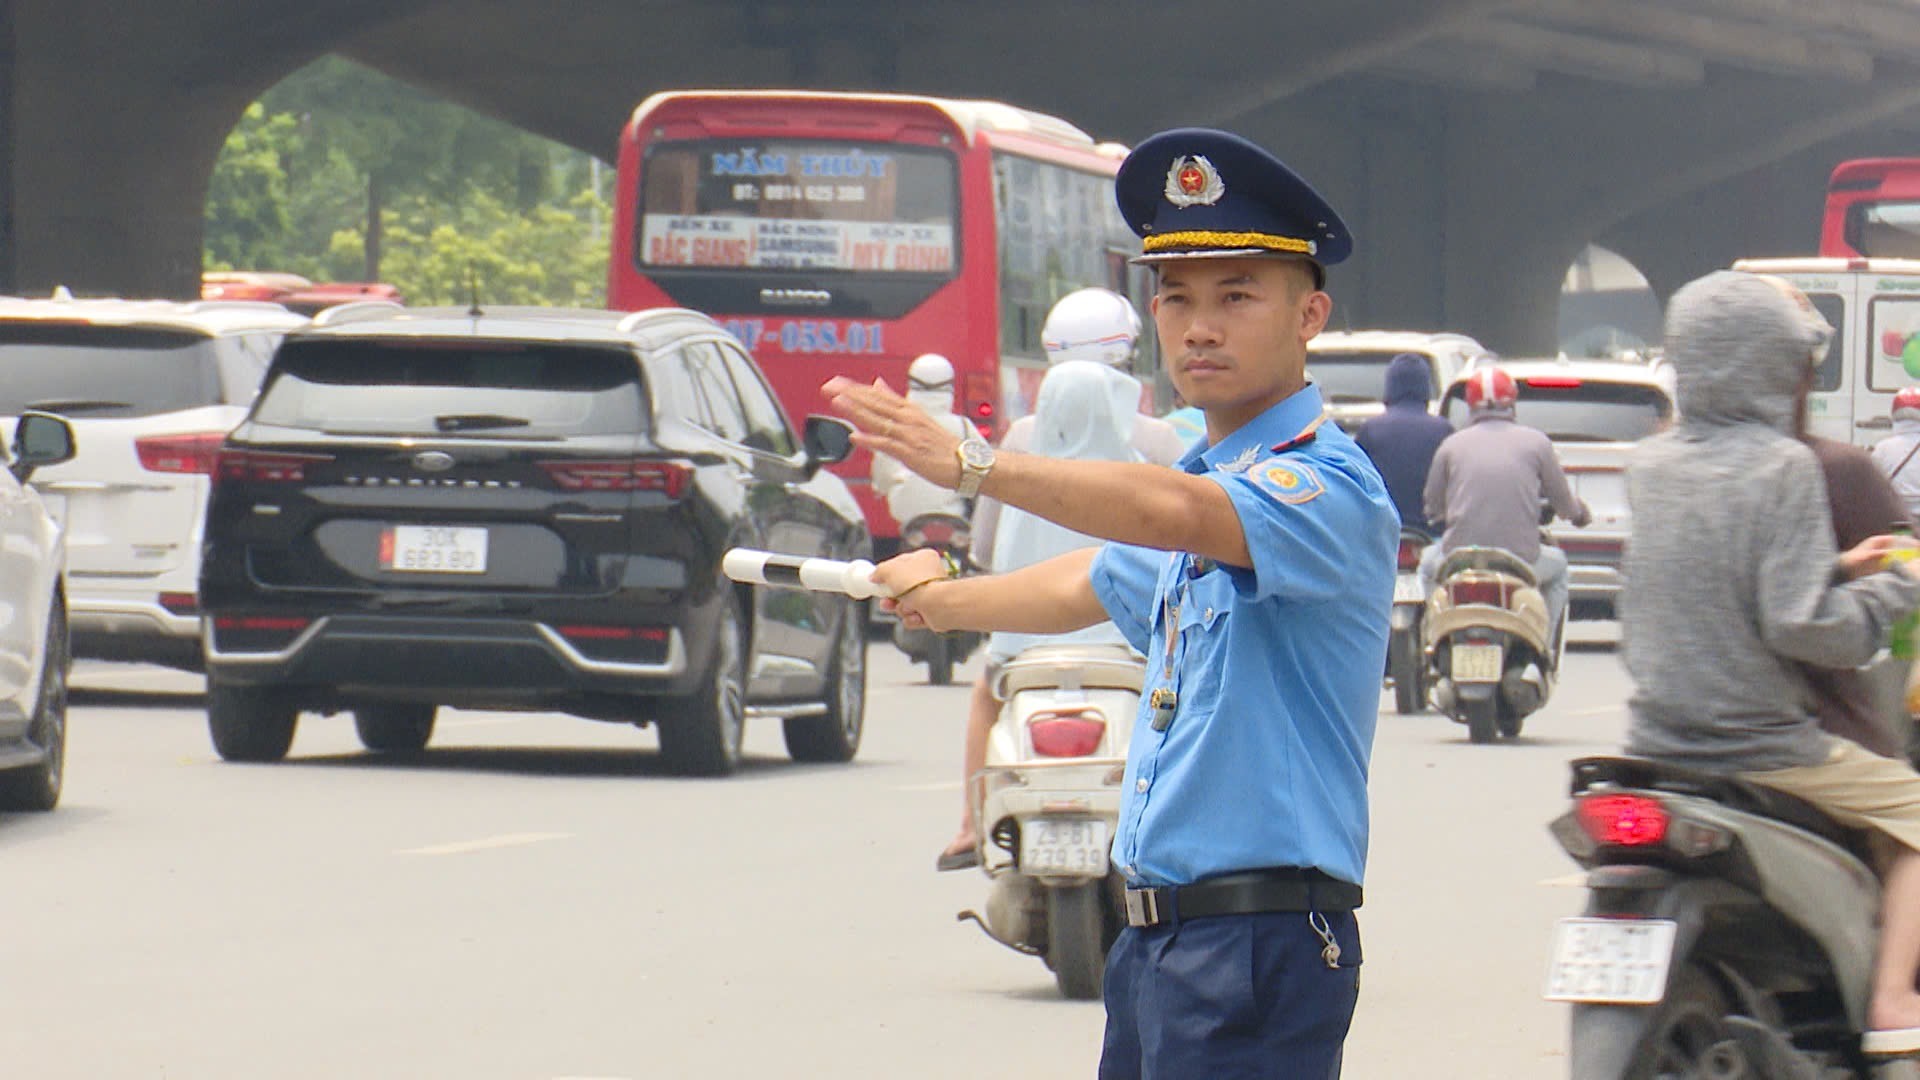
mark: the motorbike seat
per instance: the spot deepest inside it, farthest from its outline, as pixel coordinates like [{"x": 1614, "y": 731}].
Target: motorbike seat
[
  {"x": 1729, "y": 791},
  {"x": 1492, "y": 560},
  {"x": 1089, "y": 667}
]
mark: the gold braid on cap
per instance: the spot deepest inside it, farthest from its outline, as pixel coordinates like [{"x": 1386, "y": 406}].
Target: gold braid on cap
[{"x": 1227, "y": 241}]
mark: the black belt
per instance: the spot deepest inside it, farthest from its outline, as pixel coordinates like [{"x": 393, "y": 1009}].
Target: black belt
[{"x": 1248, "y": 893}]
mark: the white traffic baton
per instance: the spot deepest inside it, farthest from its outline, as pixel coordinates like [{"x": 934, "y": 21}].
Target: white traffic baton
[{"x": 752, "y": 567}]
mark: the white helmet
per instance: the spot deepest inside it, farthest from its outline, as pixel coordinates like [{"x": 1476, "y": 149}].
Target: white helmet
[
  {"x": 930, "y": 371},
  {"x": 1091, "y": 324}
]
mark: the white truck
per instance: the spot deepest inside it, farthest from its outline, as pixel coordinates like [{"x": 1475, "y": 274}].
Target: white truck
[{"x": 1874, "y": 306}]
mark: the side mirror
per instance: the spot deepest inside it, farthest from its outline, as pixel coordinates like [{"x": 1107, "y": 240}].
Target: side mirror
[
  {"x": 40, "y": 439},
  {"x": 827, "y": 440}
]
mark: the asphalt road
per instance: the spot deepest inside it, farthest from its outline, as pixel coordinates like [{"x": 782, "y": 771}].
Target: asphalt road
[{"x": 535, "y": 899}]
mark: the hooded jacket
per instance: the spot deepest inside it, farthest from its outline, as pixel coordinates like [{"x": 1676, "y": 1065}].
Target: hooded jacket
[
  {"x": 1402, "y": 440},
  {"x": 1730, "y": 567}
]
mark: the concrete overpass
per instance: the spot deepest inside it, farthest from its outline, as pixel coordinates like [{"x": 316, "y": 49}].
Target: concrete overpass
[{"x": 1475, "y": 145}]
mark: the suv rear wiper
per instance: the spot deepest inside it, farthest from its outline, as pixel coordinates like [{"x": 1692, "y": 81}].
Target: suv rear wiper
[
  {"x": 475, "y": 421},
  {"x": 72, "y": 405}
]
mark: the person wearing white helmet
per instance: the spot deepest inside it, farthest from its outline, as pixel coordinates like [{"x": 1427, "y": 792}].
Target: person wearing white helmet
[
  {"x": 1087, "y": 324},
  {"x": 1096, "y": 326},
  {"x": 930, "y": 386}
]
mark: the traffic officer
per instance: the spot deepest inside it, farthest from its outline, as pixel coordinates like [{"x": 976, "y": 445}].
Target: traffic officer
[{"x": 1256, "y": 577}]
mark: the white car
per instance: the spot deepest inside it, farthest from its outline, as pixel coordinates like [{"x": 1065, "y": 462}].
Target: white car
[
  {"x": 1594, "y": 411},
  {"x": 1350, "y": 367},
  {"x": 151, "y": 389},
  {"x": 34, "y": 658}
]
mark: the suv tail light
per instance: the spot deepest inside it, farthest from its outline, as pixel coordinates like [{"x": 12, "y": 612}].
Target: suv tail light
[
  {"x": 263, "y": 467},
  {"x": 628, "y": 644},
  {"x": 1493, "y": 593},
  {"x": 1623, "y": 820},
  {"x": 183, "y": 604},
  {"x": 671, "y": 478},
  {"x": 1067, "y": 732},
  {"x": 190, "y": 453}
]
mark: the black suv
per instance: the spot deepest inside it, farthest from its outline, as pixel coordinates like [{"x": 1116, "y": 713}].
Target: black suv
[{"x": 525, "y": 508}]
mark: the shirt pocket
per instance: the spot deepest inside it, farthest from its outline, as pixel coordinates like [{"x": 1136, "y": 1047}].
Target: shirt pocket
[{"x": 1204, "y": 624}]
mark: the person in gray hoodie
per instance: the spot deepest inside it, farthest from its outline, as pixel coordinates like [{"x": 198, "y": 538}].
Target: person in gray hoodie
[{"x": 1733, "y": 580}]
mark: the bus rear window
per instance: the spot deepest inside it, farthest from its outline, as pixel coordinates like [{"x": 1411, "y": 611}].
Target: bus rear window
[{"x": 798, "y": 205}]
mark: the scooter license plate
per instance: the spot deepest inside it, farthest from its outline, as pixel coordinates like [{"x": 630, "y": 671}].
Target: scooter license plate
[
  {"x": 1611, "y": 961},
  {"x": 1408, "y": 589},
  {"x": 1476, "y": 663},
  {"x": 1077, "y": 846}
]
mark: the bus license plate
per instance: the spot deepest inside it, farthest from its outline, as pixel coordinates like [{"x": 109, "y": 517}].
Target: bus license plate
[
  {"x": 1476, "y": 663},
  {"x": 1064, "y": 846},
  {"x": 1611, "y": 961},
  {"x": 1408, "y": 589},
  {"x": 433, "y": 549}
]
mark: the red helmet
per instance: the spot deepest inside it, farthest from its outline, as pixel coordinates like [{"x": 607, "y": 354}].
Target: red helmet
[
  {"x": 1906, "y": 404},
  {"x": 1490, "y": 388}
]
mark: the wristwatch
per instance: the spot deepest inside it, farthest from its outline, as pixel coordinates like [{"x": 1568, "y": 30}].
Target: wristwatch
[{"x": 976, "y": 461}]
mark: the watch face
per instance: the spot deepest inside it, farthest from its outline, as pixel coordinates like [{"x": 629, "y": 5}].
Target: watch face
[{"x": 976, "y": 454}]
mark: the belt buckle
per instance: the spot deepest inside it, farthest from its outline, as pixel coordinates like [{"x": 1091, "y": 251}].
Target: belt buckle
[{"x": 1143, "y": 907}]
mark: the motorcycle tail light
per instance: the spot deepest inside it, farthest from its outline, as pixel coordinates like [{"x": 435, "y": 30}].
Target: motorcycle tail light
[
  {"x": 1623, "y": 820},
  {"x": 1478, "y": 592},
  {"x": 1067, "y": 733},
  {"x": 1409, "y": 553}
]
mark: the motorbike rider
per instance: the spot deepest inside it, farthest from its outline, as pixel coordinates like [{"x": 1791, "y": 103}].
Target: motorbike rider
[
  {"x": 1092, "y": 324},
  {"x": 1733, "y": 580},
  {"x": 1403, "y": 439},
  {"x": 1085, "y": 326},
  {"x": 1895, "y": 454},
  {"x": 1486, "y": 484},
  {"x": 930, "y": 386},
  {"x": 1861, "y": 503}
]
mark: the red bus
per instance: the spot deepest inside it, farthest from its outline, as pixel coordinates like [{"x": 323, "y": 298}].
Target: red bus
[
  {"x": 848, "y": 233},
  {"x": 1873, "y": 209}
]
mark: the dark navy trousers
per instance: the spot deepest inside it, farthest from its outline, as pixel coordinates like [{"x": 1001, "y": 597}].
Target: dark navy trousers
[{"x": 1230, "y": 997}]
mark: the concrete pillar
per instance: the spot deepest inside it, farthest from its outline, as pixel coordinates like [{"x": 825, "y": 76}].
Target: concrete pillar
[{"x": 9, "y": 75}]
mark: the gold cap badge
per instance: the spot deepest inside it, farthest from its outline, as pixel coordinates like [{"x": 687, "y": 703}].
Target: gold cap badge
[{"x": 1193, "y": 181}]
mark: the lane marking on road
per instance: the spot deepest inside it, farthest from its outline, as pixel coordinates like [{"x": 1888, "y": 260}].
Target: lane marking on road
[
  {"x": 489, "y": 843},
  {"x": 1566, "y": 881},
  {"x": 944, "y": 785}
]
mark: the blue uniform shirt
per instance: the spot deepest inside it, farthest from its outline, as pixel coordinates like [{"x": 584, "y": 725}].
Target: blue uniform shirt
[{"x": 1277, "y": 668}]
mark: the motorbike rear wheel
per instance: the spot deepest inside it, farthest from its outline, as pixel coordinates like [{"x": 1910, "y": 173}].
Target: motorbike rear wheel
[
  {"x": 1077, "y": 939},
  {"x": 1408, "y": 669},
  {"x": 940, "y": 661},
  {"x": 1509, "y": 721},
  {"x": 1689, "y": 1023},
  {"x": 1483, "y": 719}
]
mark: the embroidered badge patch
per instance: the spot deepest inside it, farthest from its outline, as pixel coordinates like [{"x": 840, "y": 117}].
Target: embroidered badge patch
[
  {"x": 1291, "y": 482},
  {"x": 1193, "y": 181},
  {"x": 1241, "y": 462}
]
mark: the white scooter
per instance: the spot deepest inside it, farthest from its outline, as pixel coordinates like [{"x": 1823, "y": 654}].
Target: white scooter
[
  {"x": 1048, "y": 802},
  {"x": 1492, "y": 656}
]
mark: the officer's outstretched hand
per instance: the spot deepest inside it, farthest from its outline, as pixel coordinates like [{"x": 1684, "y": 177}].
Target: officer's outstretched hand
[
  {"x": 914, "y": 579},
  {"x": 890, "y": 424}
]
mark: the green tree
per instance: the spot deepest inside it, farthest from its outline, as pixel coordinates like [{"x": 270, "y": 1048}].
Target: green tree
[{"x": 377, "y": 180}]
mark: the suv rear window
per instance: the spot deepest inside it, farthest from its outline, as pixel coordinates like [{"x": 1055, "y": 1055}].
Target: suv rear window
[
  {"x": 1574, "y": 410},
  {"x": 105, "y": 371},
  {"x": 1353, "y": 377},
  {"x": 452, "y": 388}
]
